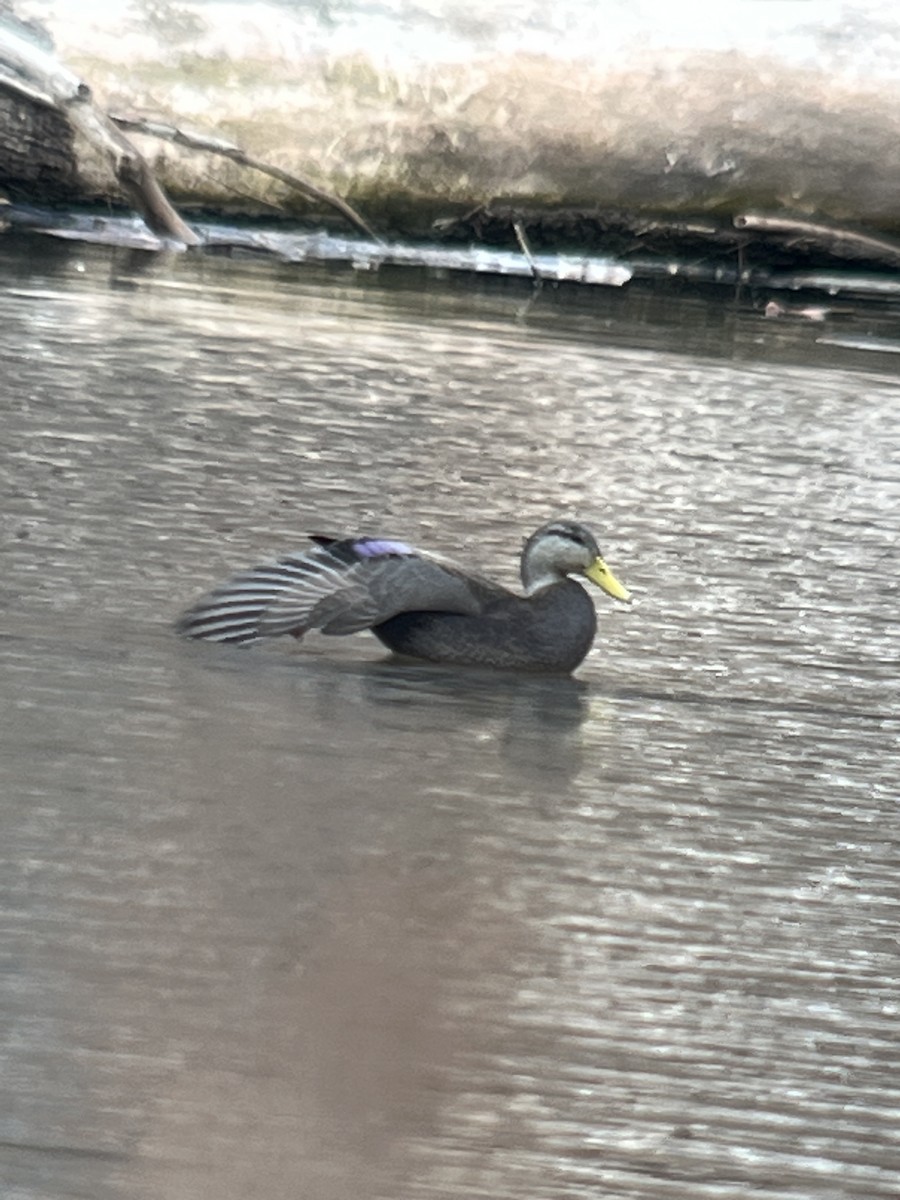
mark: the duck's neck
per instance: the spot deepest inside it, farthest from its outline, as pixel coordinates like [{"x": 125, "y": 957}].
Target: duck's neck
[{"x": 537, "y": 573}]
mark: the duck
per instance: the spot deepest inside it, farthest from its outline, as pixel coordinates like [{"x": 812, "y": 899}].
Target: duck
[{"x": 420, "y": 604}]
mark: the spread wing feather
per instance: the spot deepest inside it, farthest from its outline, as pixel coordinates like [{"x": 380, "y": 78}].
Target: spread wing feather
[{"x": 336, "y": 586}]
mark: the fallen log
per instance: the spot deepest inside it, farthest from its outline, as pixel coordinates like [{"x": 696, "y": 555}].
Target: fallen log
[{"x": 33, "y": 75}]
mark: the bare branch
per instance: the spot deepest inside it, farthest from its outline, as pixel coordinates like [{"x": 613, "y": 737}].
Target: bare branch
[
  {"x": 845, "y": 243},
  {"x": 211, "y": 145}
]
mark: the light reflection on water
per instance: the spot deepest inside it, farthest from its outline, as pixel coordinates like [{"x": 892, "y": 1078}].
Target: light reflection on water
[{"x": 305, "y": 923}]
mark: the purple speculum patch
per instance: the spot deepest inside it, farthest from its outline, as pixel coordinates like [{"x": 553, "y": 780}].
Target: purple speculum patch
[{"x": 375, "y": 547}]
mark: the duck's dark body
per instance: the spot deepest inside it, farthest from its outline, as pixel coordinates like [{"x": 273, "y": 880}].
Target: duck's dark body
[
  {"x": 419, "y": 604},
  {"x": 549, "y": 631}
]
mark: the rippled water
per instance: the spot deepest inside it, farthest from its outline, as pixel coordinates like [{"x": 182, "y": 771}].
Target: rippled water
[{"x": 301, "y": 922}]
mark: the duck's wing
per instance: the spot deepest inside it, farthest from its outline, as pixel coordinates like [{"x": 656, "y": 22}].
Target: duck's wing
[{"x": 338, "y": 586}]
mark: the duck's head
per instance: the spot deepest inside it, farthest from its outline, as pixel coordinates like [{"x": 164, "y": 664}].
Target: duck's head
[{"x": 562, "y": 548}]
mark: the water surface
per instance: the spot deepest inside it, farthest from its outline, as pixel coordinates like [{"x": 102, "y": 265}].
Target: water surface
[{"x": 303, "y": 922}]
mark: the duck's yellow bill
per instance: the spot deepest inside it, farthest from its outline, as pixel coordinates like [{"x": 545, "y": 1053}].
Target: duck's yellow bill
[{"x": 598, "y": 572}]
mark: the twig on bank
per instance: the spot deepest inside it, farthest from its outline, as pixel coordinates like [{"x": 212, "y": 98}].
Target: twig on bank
[
  {"x": 522, "y": 239},
  {"x": 211, "y": 145},
  {"x": 843, "y": 243}
]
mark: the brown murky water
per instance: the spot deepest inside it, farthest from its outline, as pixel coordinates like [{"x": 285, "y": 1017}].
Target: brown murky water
[{"x": 304, "y": 923}]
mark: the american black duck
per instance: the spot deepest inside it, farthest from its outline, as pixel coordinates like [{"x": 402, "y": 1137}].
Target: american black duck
[{"x": 420, "y": 604}]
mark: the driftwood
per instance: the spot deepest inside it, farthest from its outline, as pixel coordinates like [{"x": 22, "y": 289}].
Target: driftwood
[
  {"x": 33, "y": 75},
  {"x": 210, "y": 145}
]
